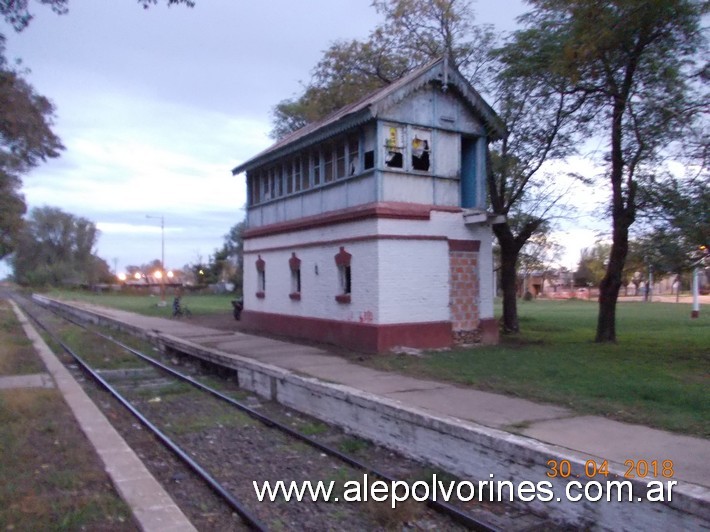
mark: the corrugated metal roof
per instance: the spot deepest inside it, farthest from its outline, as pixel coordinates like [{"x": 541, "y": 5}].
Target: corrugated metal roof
[{"x": 368, "y": 107}]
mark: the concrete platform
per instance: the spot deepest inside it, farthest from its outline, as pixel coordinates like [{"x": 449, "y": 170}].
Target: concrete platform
[
  {"x": 470, "y": 432},
  {"x": 152, "y": 507},
  {"x": 36, "y": 380}
]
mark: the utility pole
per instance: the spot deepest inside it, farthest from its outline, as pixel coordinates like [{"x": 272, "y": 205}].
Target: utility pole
[
  {"x": 695, "y": 313},
  {"x": 162, "y": 257}
]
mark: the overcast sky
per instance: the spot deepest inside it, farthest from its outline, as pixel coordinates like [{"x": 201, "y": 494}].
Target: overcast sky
[{"x": 156, "y": 106}]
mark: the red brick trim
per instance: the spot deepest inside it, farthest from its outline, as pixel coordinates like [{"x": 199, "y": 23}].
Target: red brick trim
[
  {"x": 396, "y": 210},
  {"x": 294, "y": 262},
  {"x": 490, "y": 331},
  {"x": 260, "y": 264},
  {"x": 323, "y": 243},
  {"x": 343, "y": 258},
  {"x": 465, "y": 245},
  {"x": 365, "y": 337}
]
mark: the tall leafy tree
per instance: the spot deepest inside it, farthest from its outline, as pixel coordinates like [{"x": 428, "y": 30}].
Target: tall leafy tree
[
  {"x": 57, "y": 248},
  {"x": 681, "y": 206},
  {"x": 592, "y": 265},
  {"x": 26, "y": 140},
  {"x": 541, "y": 115},
  {"x": 17, "y": 12},
  {"x": 636, "y": 62},
  {"x": 413, "y": 33}
]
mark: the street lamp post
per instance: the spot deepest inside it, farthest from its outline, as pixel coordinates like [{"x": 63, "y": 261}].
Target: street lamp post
[{"x": 162, "y": 257}]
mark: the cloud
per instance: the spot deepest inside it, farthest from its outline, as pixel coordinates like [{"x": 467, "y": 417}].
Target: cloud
[{"x": 140, "y": 157}]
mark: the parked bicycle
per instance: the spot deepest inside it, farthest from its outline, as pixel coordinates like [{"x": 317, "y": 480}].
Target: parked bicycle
[{"x": 179, "y": 310}]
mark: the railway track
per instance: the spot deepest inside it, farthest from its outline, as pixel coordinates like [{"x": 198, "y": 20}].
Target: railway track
[{"x": 230, "y": 439}]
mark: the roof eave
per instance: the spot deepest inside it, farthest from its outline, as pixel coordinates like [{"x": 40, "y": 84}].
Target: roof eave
[{"x": 316, "y": 136}]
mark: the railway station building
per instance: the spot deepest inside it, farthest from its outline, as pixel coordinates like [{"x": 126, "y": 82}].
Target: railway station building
[{"x": 369, "y": 229}]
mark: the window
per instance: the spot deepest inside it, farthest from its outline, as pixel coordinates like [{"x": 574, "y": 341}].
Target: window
[
  {"x": 342, "y": 261},
  {"x": 369, "y": 160},
  {"x": 278, "y": 185},
  {"x": 306, "y": 171},
  {"x": 421, "y": 143},
  {"x": 315, "y": 157},
  {"x": 345, "y": 280},
  {"x": 260, "y": 278},
  {"x": 340, "y": 159},
  {"x": 328, "y": 163},
  {"x": 394, "y": 147},
  {"x": 294, "y": 264},
  {"x": 296, "y": 282},
  {"x": 265, "y": 190},
  {"x": 254, "y": 188},
  {"x": 272, "y": 185},
  {"x": 297, "y": 174},
  {"x": 288, "y": 176},
  {"x": 353, "y": 155}
]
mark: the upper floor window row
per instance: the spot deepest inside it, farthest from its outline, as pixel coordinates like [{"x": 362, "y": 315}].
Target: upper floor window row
[{"x": 337, "y": 159}]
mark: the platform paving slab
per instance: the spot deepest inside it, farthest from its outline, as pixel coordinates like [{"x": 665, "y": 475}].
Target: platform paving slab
[
  {"x": 490, "y": 409},
  {"x": 150, "y": 504},
  {"x": 298, "y": 362},
  {"x": 619, "y": 442},
  {"x": 363, "y": 378},
  {"x": 35, "y": 380},
  {"x": 251, "y": 344},
  {"x": 385, "y": 385}
]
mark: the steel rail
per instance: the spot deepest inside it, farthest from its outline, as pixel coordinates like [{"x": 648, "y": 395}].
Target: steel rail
[
  {"x": 248, "y": 517},
  {"x": 439, "y": 506}
]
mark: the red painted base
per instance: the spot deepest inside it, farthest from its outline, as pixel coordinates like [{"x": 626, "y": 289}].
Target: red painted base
[
  {"x": 353, "y": 335},
  {"x": 694, "y": 314},
  {"x": 490, "y": 331}
]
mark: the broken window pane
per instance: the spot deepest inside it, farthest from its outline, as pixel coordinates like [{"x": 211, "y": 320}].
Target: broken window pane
[
  {"x": 421, "y": 150},
  {"x": 394, "y": 147}
]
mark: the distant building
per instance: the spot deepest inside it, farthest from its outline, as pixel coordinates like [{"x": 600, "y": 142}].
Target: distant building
[{"x": 369, "y": 228}]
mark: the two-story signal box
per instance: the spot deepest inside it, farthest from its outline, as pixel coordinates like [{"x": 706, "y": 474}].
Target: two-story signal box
[{"x": 369, "y": 228}]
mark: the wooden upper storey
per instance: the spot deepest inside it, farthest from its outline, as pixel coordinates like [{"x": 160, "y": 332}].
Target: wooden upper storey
[{"x": 405, "y": 142}]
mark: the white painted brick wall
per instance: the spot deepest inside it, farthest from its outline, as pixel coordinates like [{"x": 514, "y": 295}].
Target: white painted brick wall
[
  {"x": 412, "y": 274},
  {"x": 414, "y": 277}
]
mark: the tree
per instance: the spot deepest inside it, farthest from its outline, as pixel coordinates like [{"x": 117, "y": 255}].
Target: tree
[
  {"x": 57, "y": 248},
  {"x": 592, "y": 265},
  {"x": 17, "y": 13},
  {"x": 234, "y": 247},
  {"x": 26, "y": 140},
  {"x": 681, "y": 206},
  {"x": 413, "y": 33},
  {"x": 540, "y": 113},
  {"x": 541, "y": 253},
  {"x": 635, "y": 61},
  {"x": 226, "y": 263}
]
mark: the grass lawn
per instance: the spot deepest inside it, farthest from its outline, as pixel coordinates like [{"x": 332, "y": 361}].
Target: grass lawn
[
  {"x": 147, "y": 305},
  {"x": 658, "y": 374},
  {"x": 50, "y": 476}
]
